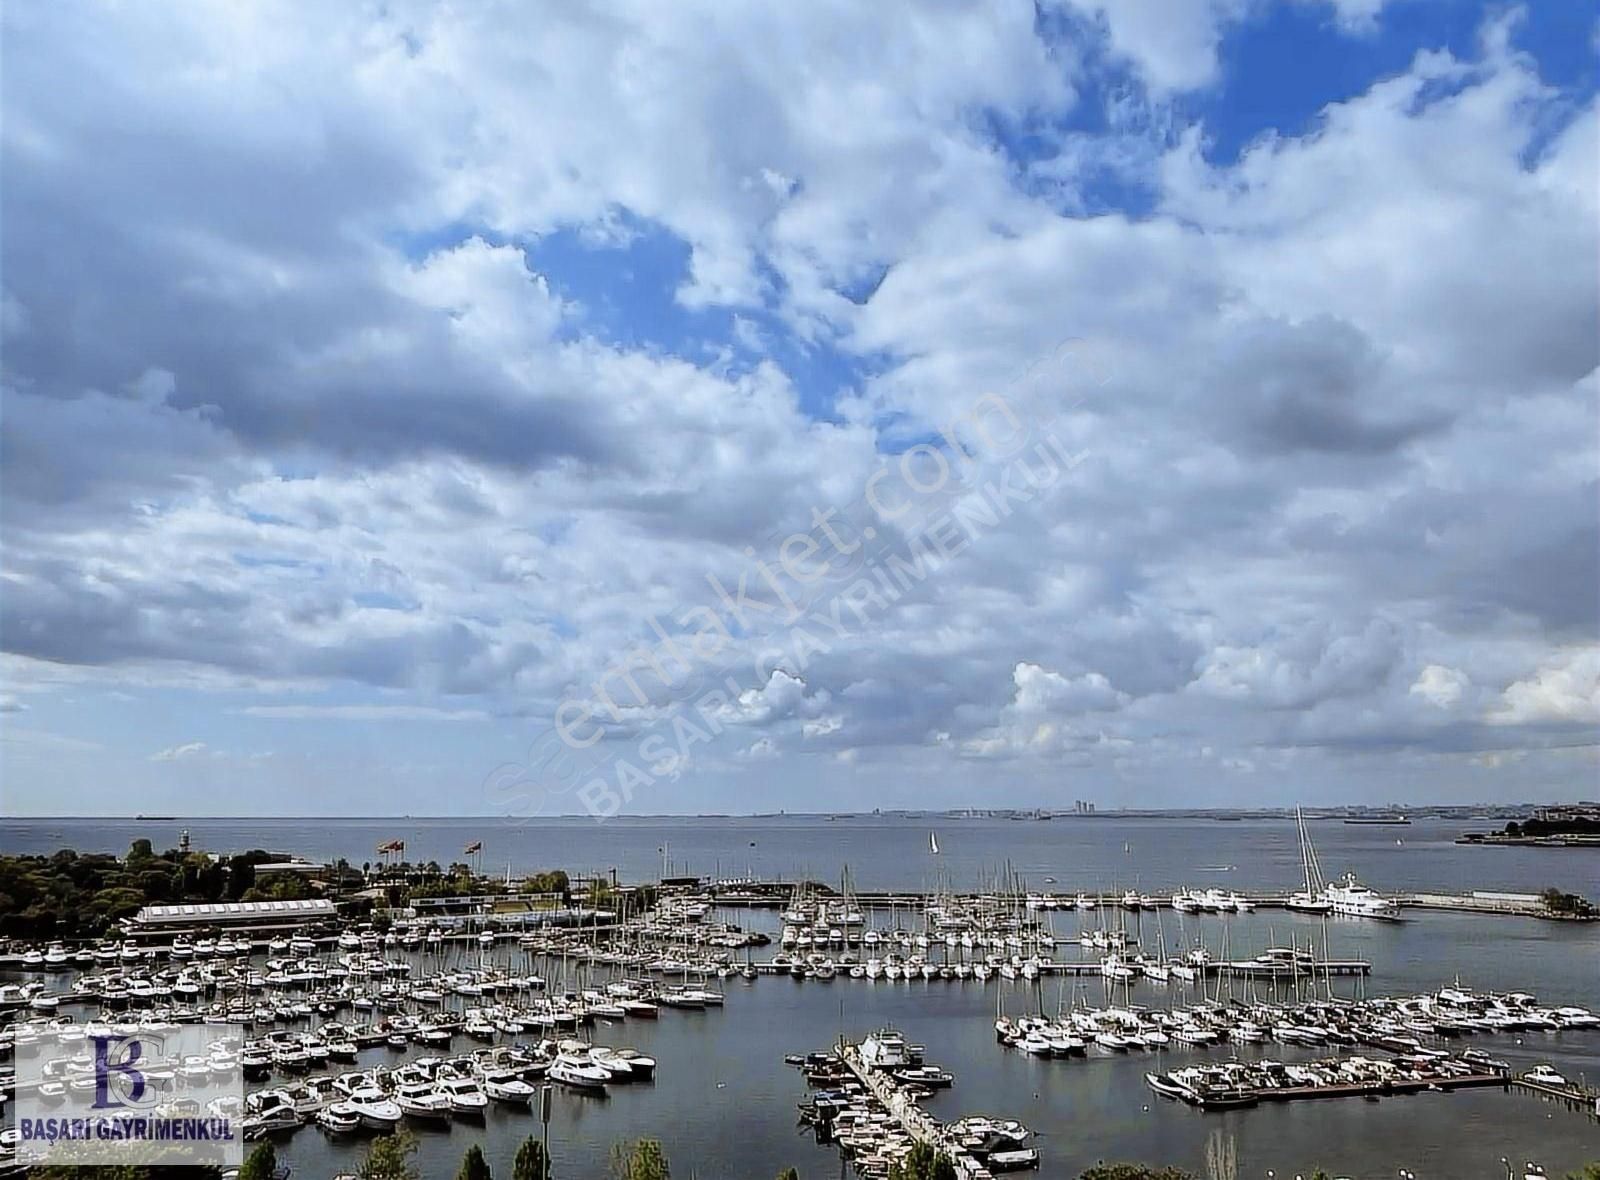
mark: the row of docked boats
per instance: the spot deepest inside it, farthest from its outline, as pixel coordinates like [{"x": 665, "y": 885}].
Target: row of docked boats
[
  {"x": 1398, "y": 1024},
  {"x": 1246, "y": 1083},
  {"x": 434, "y": 1091}
]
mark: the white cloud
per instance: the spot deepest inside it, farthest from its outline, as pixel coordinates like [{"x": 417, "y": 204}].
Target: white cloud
[
  {"x": 183, "y": 753},
  {"x": 1565, "y": 690},
  {"x": 323, "y": 404},
  {"x": 1439, "y": 686}
]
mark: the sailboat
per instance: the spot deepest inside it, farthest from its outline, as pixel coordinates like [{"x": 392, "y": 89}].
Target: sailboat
[
  {"x": 933, "y": 843},
  {"x": 1308, "y": 899}
]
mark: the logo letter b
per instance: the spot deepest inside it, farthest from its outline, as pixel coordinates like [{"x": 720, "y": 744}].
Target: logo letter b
[{"x": 104, "y": 1067}]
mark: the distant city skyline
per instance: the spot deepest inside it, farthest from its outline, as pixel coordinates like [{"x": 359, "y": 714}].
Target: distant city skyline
[{"x": 433, "y": 411}]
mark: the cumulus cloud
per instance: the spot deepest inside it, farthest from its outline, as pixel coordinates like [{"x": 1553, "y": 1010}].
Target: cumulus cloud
[
  {"x": 1439, "y": 686},
  {"x": 405, "y": 359},
  {"x": 1566, "y": 689}
]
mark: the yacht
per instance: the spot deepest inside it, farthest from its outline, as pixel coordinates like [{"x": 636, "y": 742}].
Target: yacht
[
  {"x": 421, "y": 1100},
  {"x": 1348, "y": 896},
  {"x": 466, "y": 1097},
  {"x": 504, "y": 1085},
  {"x": 885, "y": 1049},
  {"x": 338, "y": 1119},
  {"x": 573, "y": 1071},
  {"x": 376, "y": 1112}
]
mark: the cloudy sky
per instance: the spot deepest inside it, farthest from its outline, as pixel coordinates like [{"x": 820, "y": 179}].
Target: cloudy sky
[{"x": 1156, "y": 403}]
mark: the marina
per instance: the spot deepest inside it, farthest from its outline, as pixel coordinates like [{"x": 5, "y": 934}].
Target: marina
[{"x": 343, "y": 1016}]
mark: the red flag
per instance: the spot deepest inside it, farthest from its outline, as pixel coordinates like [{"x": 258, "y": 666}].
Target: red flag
[{"x": 475, "y": 846}]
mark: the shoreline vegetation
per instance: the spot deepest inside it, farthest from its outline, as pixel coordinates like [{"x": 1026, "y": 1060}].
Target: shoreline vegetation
[
  {"x": 72, "y": 895},
  {"x": 1577, "y": 827}
]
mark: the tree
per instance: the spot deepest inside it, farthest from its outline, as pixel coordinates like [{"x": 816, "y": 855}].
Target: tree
[
  {"x": 788, "y": 1174},
  {"x": 530, "y": 1163},
  {"x": 1589, "y": 1171},
  {"x": 473, "y": 1165},
  {"x": 1133, "y": 1172},
  {"x": 924, "y": 1163},
  {"x": 261, "y": 1164},
  {"x": 389, "y": 1158},
  {"x": 641, "y": 1160}
]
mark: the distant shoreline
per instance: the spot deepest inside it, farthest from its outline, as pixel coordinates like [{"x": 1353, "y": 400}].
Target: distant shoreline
[{"x": 1442, "y": 812}]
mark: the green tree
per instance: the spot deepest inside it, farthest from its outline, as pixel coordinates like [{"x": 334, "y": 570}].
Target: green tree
[
  {"x": 788, "y": 1174},
  {"x": 1589, "y": 1171},
  {"x": 1133, "y": 1172},
  {"x": 261, "y": 1164},
  {"x": 389, "y": 1158},
  {"x": 924, "y": 1163},
  {"x": 473, "y": 1165},
  {"x": 640, "y": 1160},
  {"x": 530, "y": 1163}
]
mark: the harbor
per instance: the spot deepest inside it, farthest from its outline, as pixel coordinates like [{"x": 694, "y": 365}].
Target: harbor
[{"x": 1040, "y": 1008}]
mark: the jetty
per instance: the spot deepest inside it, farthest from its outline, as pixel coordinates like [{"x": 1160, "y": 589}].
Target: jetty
[{"x": 868, "y": 1104}]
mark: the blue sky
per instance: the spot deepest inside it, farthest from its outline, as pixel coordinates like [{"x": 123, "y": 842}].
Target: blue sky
[{"x": 390, "y": 397}]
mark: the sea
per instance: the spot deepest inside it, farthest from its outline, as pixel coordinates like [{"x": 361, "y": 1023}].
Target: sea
[{"x": 724, "y": 1105}]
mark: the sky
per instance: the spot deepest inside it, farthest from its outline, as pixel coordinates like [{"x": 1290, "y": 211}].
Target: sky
[{"x": 673, "y": 408}]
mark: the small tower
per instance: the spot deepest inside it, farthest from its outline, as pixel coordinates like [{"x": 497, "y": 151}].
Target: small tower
[{"x": 183, "y": 841}]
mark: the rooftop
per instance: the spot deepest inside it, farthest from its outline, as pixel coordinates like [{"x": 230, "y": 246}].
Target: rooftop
[{"x": 223, "y": 912}]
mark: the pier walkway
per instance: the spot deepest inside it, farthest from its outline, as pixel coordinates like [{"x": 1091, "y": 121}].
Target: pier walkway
[{"x": 915, "y": 1121}]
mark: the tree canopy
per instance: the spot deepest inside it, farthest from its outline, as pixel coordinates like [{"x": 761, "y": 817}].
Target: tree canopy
[{"x": 642, "y": 1160}]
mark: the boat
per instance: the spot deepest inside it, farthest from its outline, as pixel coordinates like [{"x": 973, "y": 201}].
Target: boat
[
  {"x": 422, "y": 1100},
  {"x": 465, "y": 1096},
  {"x": 1349, "y": 897},
  {"x": 1164, "y": 1085},
  {"x": 338, "y": 1119},
  {"x": 506, "y": 1086},
  {"x": 1308, "y": 898},
  {"x": 376, "y": 1112},
  {"x": 885, "y": 1049},
  {"x": 578, "y": 1074}
]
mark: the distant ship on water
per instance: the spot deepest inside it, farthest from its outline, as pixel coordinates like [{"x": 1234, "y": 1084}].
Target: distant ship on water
[{"x": 1377, "y": 819}]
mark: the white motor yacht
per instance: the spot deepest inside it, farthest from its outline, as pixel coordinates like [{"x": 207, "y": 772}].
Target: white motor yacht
[
  {"x": 422, "y": 1100},
  {"x": 1348, "y": 896},
  {"x": 504, "y": 1085},
  {"x": 466, "y": 1097},
  {"x": 578, "y": 1073},
  {"x": 376, "y": 1111}
]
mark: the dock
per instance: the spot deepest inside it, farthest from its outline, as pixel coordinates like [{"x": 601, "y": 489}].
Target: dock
[
  {"x": 775, "y": 895},
  {"x": 1582, "y": 1099}
]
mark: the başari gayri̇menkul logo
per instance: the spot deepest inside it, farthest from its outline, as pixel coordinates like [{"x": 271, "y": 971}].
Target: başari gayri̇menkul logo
[{"x": 172, "y": 1095}]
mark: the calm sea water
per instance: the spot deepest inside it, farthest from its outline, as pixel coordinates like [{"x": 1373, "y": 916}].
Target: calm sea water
[
  {"x": 724, "y": 1104},
  {"x": 883, "y": 852}
]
